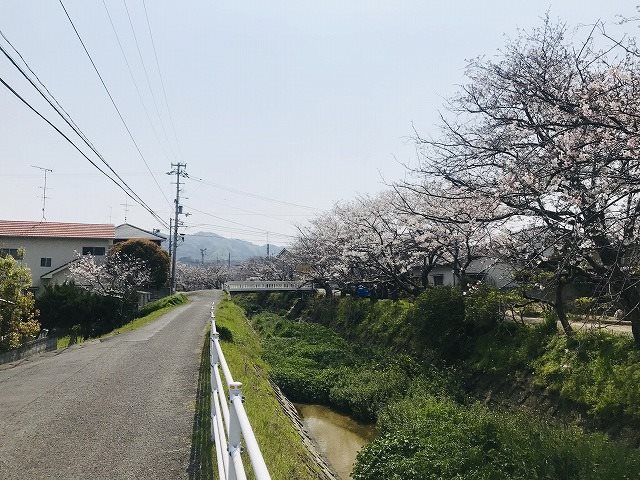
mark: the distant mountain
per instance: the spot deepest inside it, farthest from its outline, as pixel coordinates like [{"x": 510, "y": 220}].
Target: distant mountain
[{"x": 218, "y": 248}]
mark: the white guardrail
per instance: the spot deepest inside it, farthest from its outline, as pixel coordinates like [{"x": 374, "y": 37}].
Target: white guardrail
[
  {"x": 266, "y": 285},
  {"x": 229, "y": 421}
]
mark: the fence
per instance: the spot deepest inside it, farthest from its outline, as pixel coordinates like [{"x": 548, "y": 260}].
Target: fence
[
  {"x": 229, "y": 422},
  {"x": 267, "y": 285}
]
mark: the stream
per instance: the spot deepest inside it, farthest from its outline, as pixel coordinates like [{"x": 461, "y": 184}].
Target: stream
[{"x": 339, "y": 437}]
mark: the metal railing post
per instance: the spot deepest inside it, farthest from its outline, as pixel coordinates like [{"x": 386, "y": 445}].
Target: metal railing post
[{"x": 236, "y": 469}]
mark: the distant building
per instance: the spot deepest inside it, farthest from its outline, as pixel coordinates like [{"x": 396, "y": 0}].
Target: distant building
[{"x": 50, "y": 247}]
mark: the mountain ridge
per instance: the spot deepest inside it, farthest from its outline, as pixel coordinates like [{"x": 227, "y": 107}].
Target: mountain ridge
[{"x": 219, "y": 247}]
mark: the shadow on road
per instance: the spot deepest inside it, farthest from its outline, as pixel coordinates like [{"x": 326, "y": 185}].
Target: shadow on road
[{"x": 201, "y": 460}]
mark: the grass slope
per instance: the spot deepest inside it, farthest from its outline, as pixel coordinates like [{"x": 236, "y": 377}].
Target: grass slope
[{"x": 283, "y": 451}]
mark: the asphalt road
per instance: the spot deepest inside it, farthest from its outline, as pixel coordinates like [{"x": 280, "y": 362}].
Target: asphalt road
[{"x": 118, "y": 408}]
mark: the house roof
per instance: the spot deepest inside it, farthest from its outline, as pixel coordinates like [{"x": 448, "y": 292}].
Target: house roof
[
  {"x": 22, "y": 228},
  {"x": 64, "y": 266},
  {"x": 127, "y": 231}
]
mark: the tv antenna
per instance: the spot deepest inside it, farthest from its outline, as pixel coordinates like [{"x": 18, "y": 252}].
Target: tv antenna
[
  {"x": 126, "y": 206},
  {"x": 44, "y": 188}
]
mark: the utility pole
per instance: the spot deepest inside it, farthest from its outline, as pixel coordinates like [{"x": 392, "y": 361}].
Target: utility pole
[
  {"x": 178, "y": 171},
  {"x": 170, "y": 236},
  {"x": 267, "y": 244},
  {"x": 202, "y": 252},
  {"x": 44, "y": 188}
]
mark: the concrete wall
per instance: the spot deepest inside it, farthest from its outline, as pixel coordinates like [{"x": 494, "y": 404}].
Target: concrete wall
[
  {"x": 60, "y": 250},
  {"x": 31, "y": 348}
]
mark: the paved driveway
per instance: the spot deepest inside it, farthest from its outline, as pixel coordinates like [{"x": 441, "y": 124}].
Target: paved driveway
[{"x": 118, "y": 408}]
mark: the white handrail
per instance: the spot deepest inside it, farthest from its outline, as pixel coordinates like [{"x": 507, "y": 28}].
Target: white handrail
[{"x": 230, "y": 426}]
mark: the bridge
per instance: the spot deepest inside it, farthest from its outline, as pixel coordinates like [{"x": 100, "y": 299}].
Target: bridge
[{"x": 267, "y": 286}]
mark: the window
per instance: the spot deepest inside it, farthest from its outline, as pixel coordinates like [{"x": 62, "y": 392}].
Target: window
[
  {"x": 13, "y": 252},
  {"x": 45, "y": 262},
  {"x": 438, "y": 279},
  {"x": 95, "y": 251}
]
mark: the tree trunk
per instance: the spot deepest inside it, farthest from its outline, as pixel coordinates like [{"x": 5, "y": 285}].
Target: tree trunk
[
  {"x": 327, "y": 288},
  {"x": 560, "y": 310},
  {"x": 630, "y": 303}
]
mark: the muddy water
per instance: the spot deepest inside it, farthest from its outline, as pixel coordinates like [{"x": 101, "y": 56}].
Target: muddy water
[{"x": 338, "y": 437}]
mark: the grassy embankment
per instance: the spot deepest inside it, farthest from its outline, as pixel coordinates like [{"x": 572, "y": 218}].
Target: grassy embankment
[
  {"x": 281, "y": 446},
  {"x": 427, "y": 428},
  {"x": 146, "y": 315}
]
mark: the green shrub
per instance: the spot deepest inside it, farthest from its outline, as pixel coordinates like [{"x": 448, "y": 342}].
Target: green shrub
[
  {"x": 322, "y": 310},
  {"x": 482, "y": 308},
  {"x": 386, "y": 325},
  {"x": 438, "y": 316},
  {"x": 67, "y": 305},
  {"x": 598, "y": 369},
  {"x": 351, "y": 312},
  {"x": 424, "y": 437},
  {"x": 363, "y": 390}
]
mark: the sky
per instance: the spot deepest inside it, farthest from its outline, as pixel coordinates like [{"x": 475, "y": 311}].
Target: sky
[{"x": 279, "y": 109}]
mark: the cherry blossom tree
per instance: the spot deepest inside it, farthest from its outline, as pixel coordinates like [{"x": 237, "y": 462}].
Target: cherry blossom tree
[
  {"x": 457, "y": 226},
  {"x": 117, "y": 276},
  {"x": 199, "y": 277},
  {"x": 318, "y": 249},
  {"x": 549, "y": 131}
]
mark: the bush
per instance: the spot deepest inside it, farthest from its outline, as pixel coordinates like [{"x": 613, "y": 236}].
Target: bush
[
  {"x": 482, "y": 308},
  {"x": 351, "y": 312},
  {"x": 67, "y": 305},
  {"x": 363, "y": 390},
  {"x": 438, "y": 316},
  {"x": 424, "y": 437},
  {"x": 600, "y": 370}
]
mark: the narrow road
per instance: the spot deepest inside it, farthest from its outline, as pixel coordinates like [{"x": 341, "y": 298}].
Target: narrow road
[{"x": 118, "y": 408}]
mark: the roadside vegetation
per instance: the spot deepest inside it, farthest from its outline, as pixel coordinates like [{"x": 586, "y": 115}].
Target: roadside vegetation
[
  {"x": 280, "y": 444},
  {"x": 76, "y": 314},
  {"x": 406, "y": 364},
  {"x": 18, "y": 315}
]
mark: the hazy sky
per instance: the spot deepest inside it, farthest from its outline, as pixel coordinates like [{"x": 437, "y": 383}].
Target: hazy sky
[{"x": 307, "y": 102}]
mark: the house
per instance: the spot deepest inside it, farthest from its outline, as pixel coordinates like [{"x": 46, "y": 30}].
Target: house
[
  {"x": 127, "y": 231},
  {"x": 49, "y": 247},
  {"x": 485, "y": 269}
]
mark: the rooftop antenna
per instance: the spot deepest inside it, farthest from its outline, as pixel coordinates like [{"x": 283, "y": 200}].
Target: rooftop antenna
[
  {"x": 44, "y": 188},
  {"x": 126, "y": 206}
]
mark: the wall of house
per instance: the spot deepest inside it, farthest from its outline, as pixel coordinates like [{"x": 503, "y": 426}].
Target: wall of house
[
  {"x": 60, "y": 250},
  {"x": 497, "y": 274},
  {"x": 447, "y": 275}
]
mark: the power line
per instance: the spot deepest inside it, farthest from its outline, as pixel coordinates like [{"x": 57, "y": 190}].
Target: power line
[
  {"x": 249, "y": 194},
  {"x": 57, "y": 107},
  {"x": 133, "y": 80},
  {"x": 113, "y": 101},
  {"x": 146, "y": 75},
  {"x": 164, "y": 91},
  {"x": 8, "y": 87}
]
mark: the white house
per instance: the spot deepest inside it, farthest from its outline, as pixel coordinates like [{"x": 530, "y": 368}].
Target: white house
[
  {"x": 50, "y": 246},
  {"x": 486, "y": 269}
]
